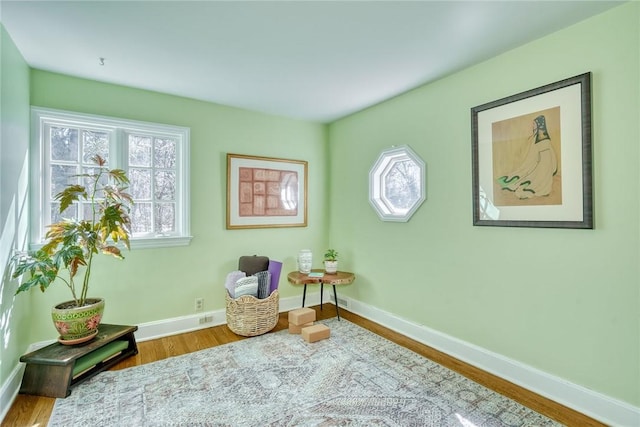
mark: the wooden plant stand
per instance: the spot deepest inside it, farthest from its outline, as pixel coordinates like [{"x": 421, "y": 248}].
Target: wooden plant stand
[
  {"x": 333, "y": 279},
  {"x": 52, "y": 370}
]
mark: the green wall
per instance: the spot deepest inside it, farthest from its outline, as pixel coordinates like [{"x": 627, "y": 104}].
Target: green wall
[
  {"x": 14, "y": 143},
  {"x": 563, "y": 301},
  {"x": 156, "y": 284}
]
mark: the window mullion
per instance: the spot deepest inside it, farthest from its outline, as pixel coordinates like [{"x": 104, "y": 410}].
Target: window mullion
[
  {"x": 119, "y": 147},
  {"x": 154, "y": 202},
  {"x": 47, "y": 183}
]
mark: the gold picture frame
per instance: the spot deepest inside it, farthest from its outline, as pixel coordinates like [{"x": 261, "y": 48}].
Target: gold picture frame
[{"x": 266, "y": 192}]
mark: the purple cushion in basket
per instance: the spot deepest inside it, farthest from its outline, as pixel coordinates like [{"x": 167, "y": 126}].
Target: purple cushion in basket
[{"x": 275, "y": 267}]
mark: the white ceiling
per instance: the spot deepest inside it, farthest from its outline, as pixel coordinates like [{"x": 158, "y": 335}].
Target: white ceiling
[{"x": 313, "y": 60}]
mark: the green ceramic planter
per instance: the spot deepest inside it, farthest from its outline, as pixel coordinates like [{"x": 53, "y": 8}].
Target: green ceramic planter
[{"x": 78, "y": 324}]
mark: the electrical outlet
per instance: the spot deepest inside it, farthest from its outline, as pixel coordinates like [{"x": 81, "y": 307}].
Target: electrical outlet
[
  {"x": 341, "y": 302},
  {"x": 206, "y": 319},
  {"x": 199, "y": 304}
]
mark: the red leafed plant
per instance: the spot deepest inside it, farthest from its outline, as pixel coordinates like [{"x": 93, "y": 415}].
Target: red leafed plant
[{"x": 70, "y": 244}]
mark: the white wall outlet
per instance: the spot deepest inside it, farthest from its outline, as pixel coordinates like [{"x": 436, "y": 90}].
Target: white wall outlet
[
  {"x": 206, "y": 319},
  {"x": 199, "y": 304},
  {"x": 341, "y": 302}
]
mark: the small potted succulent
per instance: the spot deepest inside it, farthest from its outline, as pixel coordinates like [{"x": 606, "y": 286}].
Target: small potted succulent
[
  {"x": 70, "y": 245},
  {"x": 331, "y": 261}
]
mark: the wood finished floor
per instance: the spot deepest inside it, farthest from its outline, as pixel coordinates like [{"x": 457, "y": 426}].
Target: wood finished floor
[{"x": 34, "y": 411}]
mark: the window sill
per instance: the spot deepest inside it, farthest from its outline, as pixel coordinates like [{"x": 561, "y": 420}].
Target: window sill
[
  {"x": 160, "y": 242},
  {"x": 149, "y": 243}
]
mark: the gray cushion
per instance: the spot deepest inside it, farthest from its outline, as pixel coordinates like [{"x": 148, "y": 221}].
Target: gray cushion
[
  {"x": 252, "y": 264},
  {"x": 264, "y": 281}
]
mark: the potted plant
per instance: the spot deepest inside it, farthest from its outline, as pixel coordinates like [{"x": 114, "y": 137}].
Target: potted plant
[
  {"x": 70, "y": 246},
  {"x": 331, "y": 261}
]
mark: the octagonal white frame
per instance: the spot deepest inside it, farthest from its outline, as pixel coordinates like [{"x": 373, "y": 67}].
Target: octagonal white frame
[{"x": 377, "y": 194}]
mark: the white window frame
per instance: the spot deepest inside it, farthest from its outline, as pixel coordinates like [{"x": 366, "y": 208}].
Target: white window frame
[{"x": 41, "y": 118}]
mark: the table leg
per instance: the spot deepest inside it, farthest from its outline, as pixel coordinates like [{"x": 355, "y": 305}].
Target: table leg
[
  {"x": 321, "y": 294},
  {"x": 304, "y": 294},
  {"x": 335, "y": 298}
]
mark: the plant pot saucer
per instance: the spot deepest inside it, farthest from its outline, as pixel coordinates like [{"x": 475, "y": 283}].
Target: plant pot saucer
[{"x": 78, "y": 340}]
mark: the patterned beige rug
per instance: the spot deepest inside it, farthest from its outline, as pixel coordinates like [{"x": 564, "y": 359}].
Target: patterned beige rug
[{"x": 354, "y": 378}]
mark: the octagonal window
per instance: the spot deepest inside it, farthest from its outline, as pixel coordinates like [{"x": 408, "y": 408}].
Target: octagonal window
[{"x": 397, "y": 184}]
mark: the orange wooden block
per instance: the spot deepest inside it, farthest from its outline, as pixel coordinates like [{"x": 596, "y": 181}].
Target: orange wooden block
[
  {"x": 296, "y": 329},
  {"x": 302, "y": 315},
  {"x": 315, "y": 333}
]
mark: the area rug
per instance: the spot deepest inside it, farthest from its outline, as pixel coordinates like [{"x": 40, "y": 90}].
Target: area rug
[{"x": 354, "y": 378}]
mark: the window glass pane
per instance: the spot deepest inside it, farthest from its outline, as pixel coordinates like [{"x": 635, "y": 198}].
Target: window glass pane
[
  {"x": 141, "y": 218},
  {"x": 88, "y": 182},
  {"x": 87, "y": 211},
  {"x": 139, "y": 150},
  {"x": 165, "y": 218},
  {"x": 402, "y": 184},
  {"x": 64, "y": 144},
  {"x": 95, "y": 142},
  {"x": 61, "y": 176},
  {"x": 165, "y": 185},
  {"x": 140, "y": 183},
  {"x": 56, "y": 216},
  {"x": 164, "y": 153}
]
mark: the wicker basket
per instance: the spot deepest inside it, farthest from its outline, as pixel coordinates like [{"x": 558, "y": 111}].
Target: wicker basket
[{"x": 249, "y": 316}]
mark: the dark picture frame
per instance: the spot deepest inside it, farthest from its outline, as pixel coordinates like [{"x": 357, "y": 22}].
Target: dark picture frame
[
  {"x": 265, "y": 192},
  {"x": 532, "y": 160}
]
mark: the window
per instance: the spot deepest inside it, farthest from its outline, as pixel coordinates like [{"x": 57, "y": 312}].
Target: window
[
  {"x": 155, "y": 157},
  {"x": 397, "y": 184}
]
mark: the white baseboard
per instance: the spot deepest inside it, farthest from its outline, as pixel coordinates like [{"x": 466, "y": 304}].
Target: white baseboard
[
  {"x": 178, "y": 325},
  {"x": 596, "y": 405},
  {"x": 9, "y": 390}
]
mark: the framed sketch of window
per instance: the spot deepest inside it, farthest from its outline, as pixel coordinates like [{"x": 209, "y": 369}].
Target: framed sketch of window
[
  {"x": 264, "y": 192},
  {"x": 531, "y": 158},
  {"x": 397, "y": 184}
]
